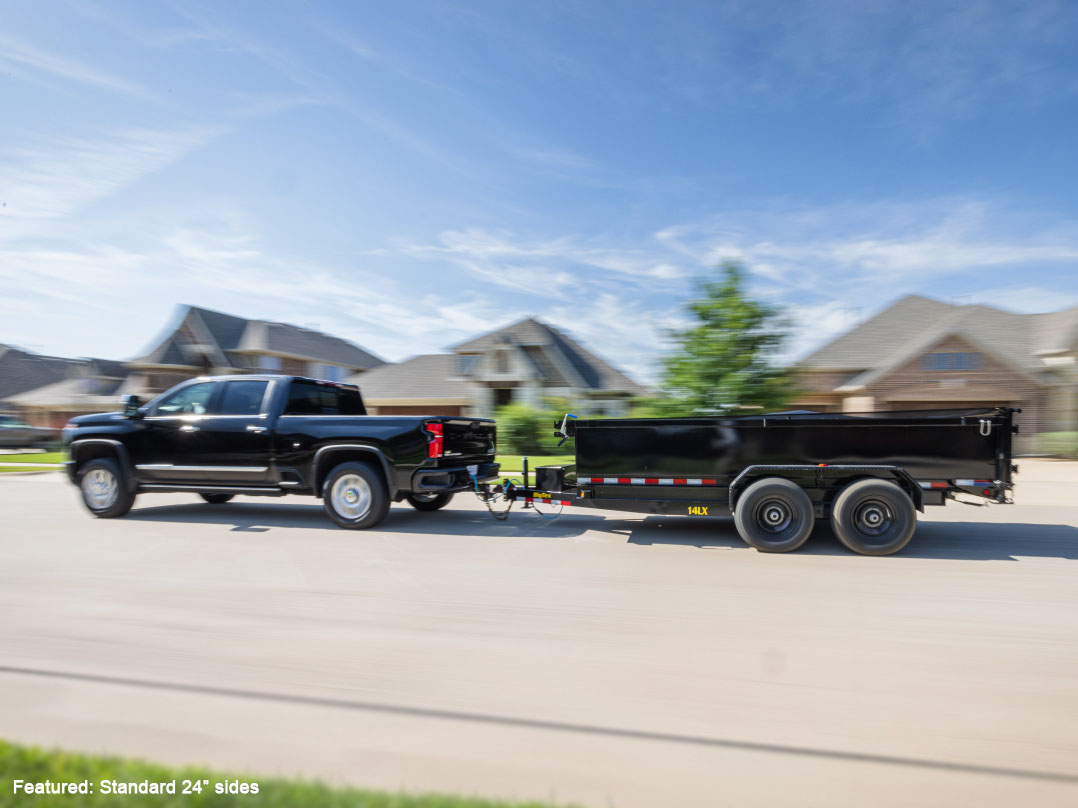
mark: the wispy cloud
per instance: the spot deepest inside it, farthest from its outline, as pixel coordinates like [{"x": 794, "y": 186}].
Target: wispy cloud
[
  {"x": 55, "y": 178},
  {"x": 18, "y": 54}
]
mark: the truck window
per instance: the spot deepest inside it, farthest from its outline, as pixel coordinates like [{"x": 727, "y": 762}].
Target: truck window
[
  {"x": 190, "y": 400},
  {"x": 311, "y": 398},
  {"x": 242, "y": 398}
]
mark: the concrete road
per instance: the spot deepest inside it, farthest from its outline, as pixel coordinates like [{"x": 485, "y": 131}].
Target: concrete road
[{"x": 597, "y": 659}]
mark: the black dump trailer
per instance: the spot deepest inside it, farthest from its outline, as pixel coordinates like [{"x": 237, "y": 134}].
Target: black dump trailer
[{"x": 776, "y": 474}]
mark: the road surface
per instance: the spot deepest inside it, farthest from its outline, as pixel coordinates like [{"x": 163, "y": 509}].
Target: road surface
[{"x": 601, "y": 659}]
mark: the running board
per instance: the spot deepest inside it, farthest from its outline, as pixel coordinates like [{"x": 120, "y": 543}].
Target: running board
[{"x": 213, "y": 489}]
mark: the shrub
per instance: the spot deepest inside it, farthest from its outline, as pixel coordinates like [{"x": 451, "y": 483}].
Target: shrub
[
  {"x": 1061, "y": 444},
  {"x": 527, "y": 430}
]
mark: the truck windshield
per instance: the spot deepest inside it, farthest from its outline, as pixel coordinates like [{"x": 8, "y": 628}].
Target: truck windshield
[{"x": 312, "y": 398}]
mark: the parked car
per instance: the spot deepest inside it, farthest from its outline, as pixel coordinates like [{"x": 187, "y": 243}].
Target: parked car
[
  {"x": 16, "y": 434},
  {"x": 271, "y": 435}
]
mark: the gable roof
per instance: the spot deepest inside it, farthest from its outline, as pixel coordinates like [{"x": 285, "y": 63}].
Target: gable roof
[
  {"x": 22, "y": 370},
  {"x": 561, "y": 354},
  {"x": 230, "y": 335},
  {"x": 914, "y": 323},
  {"x": 429, "y": 376}
]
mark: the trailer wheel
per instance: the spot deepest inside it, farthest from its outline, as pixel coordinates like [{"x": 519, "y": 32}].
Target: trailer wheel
[
  {"x": 774, "y": 515},
  {"x": 873, "y": 517}
]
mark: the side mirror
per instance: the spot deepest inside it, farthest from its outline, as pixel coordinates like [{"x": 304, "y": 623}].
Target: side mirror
[{"x": 131, "y": 403}]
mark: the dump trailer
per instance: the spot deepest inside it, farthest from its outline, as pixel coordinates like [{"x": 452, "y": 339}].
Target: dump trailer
[{"x": 777, "y": 474}]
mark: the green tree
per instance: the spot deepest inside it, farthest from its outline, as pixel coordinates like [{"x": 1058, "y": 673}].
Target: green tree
[{"x": 724, "y": 361}]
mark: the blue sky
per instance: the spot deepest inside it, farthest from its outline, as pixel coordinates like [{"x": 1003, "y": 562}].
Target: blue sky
[{"x": 409, "y": 174}]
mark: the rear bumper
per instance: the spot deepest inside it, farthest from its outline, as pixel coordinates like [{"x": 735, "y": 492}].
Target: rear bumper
[{"x": 455, "y": 478}]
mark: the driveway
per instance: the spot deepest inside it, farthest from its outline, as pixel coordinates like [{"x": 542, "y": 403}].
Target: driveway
[{"x": 602, "y": 659}]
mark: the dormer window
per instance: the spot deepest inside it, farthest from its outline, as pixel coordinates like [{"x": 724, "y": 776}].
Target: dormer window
[{"x": 951, "y": 361}]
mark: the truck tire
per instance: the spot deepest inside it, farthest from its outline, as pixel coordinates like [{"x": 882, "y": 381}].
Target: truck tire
[
  {"x": 873, "y": 517},
  {"x": 354, "y": 495},
  {"x": 428, "y": 502},
  {"x": 774, "y": 515},
  {"x": 217, "y": 499},
  {"x": 104, "y": 488}
]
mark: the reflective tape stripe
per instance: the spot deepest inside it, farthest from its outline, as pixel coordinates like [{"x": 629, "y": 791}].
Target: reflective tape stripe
[
  {"x": 549, "y": 501},
  {"x": 648, "y": 481},
  {"x": 934, "y": 485},
  {"x": 974, "y": 483}
]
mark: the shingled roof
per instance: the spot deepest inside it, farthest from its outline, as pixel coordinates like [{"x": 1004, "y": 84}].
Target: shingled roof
[
  {"x": 230, "y": 336},
  {"x": 22, "y": 370},
  {"x": 556, "y": 350},
  {"x": 914, "y": 323},
  {"x": 429, "y": 376}
]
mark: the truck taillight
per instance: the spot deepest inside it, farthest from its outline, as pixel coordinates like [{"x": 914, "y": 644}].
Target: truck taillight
[{"x": 436, "y": 439}]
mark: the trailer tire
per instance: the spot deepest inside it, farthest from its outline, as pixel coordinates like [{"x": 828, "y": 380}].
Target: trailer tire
[
  {"x": 354, "y": 495},
  {"x": 428, "y": 502},
  {"x": 873, "y": 517},
  {"x": 774, "y": 515}
]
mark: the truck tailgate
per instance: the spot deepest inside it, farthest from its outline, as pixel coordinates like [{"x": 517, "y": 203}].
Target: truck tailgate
[{"x": 469, "y": 437}]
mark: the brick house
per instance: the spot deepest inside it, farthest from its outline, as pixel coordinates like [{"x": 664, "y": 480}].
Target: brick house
[
  {"x": 206, "y": 342},
  {"x": 921, "y": 353},
  {"x": 522, "y": 363}
]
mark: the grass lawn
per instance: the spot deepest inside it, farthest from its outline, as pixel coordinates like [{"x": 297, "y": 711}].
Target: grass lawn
[
  {"x": 37, "y": 765},
  {"x": 515, "y": 462},
  {"x": 4, "y": 469},
  {"x": 33, "y": 457}
]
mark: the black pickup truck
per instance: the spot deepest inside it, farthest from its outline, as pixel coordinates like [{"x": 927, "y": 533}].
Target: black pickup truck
[{"x": 273, "y": 435}]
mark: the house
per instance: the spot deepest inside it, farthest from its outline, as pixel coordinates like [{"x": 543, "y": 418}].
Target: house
[
  {"x": 921, "y": 353},
  {"x": 23, "y": 370},
  {"x": 89, "y": 385},
  {"x": 522, "y": 363},
  {"x": 205, "y": 342}
]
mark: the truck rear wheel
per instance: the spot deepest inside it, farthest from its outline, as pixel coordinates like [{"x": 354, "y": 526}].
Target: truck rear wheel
[
  {"x": 355, "y": 497},
  {"x": 104, "y": 489},
  {"x": 774, "y": 515},
  {"x": 428, "y": 502},
  {"x": 216, "y": 499},
  {"x": 873, "y": 517}
]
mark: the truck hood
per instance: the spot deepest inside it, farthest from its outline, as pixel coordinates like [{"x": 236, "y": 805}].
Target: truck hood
[{"x": 97, "y": 419}]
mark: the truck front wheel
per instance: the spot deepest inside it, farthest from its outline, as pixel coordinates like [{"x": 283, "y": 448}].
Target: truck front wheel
[
  {"x": 355, "y": 496},
  {"x": 104, "y": 489},
  {"x": 873, "y": 517},
  {"x": 428, "y": 502},
  {"x": 774, "y": 515}
]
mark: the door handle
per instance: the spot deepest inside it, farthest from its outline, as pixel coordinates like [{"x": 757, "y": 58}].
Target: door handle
[
  {"x": 189, "y": 428},
  {"x": 254, "y": 428}
]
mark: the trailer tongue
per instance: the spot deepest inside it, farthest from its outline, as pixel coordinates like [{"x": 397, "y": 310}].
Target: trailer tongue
[{"x": 869, "y": 473}]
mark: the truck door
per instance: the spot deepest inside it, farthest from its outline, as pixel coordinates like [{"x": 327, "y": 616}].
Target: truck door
[
  {"x": 235, "y": 435},
  {"x": 170, "y": 446}
]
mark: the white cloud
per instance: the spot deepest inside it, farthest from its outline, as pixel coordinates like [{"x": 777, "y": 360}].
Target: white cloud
[
  {"x": 18, "y": 54},
  {"x": 58, "y": 177}
]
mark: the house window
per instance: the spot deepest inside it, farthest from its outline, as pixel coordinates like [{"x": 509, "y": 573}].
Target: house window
[
  {"x": 329, "y": 373},
  {"x": 503, "y": 362},
  {"x": 503, "y": 396},
  {"x": 269, "y": 362},
  {"x": 951, "y": 361}
]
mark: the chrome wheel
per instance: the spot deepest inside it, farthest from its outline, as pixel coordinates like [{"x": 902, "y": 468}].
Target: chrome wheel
[
  {"x": 100, "y": 488},
  {"x": 351, "y": 496}
]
